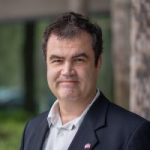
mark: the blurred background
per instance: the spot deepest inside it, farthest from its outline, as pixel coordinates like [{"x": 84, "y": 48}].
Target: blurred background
[{"x": 124, "y": 77}]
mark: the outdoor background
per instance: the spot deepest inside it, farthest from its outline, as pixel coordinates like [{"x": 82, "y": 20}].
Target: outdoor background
[{"x": 23, "y": 86}]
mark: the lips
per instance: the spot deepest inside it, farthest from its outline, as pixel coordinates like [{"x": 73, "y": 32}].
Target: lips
[{"x": 67, "y": 83}]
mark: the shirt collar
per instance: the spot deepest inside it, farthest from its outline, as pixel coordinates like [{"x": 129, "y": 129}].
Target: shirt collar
[{"x": 55, "y": 120}]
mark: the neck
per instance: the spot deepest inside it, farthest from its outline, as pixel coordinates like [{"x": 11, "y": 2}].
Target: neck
[{"x": 70, "y": 110}]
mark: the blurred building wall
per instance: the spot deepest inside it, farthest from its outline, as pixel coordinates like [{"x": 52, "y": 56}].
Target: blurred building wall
[{"x": 31, "y": 9}]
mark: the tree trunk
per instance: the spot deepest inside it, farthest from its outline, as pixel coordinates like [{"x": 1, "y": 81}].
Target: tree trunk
[
  {"x": 140, "y": 58},
  {"x": 120, "y": 10},
  {"x": 28, "y": 57}
]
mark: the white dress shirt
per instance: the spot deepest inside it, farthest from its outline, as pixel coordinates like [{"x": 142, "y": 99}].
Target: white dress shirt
[{"x": 61, "y": 135}]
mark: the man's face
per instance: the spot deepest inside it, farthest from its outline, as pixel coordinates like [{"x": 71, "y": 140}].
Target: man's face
[{"x": 71, "y": 70}]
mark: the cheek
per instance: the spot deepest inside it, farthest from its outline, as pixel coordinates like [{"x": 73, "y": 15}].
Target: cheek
[
  {"x": 90, "y": 74},
  {"x": 84, "y": 74},
  {"x": 53, "y": 74}
]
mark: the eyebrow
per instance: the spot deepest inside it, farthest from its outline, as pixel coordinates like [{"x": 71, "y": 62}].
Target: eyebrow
[
  {"x": 55, "y": 57},
  {"x": 75, "y": 56}
]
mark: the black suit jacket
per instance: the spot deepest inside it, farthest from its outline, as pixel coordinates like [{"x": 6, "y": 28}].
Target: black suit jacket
[{"x": 105, "y": 127}]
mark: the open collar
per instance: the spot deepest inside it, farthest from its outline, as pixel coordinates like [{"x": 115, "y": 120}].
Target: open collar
[{"x": 55, "y": 120}]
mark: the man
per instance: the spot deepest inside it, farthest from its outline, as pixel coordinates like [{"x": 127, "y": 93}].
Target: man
[{"x": 81, "y": 117}]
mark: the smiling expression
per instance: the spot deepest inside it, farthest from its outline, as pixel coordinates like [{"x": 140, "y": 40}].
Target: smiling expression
[{"x": 71, "y": 69}]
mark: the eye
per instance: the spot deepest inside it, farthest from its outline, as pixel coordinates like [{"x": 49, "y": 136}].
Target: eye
[
  {"x": 56, "y": 61},
  {"x": 79, "y": 60}
]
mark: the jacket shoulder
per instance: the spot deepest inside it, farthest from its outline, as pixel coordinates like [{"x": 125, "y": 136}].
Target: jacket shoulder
[
  {"x": 118, "y": 113},
  {"x": 35, "y": 121},
  {"x": 123, "y": 129}
]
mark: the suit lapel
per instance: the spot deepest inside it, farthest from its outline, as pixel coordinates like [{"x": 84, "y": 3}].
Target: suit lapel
[
  {"x": 84, "y": 136},
  {"x": 94, "y": 119}
]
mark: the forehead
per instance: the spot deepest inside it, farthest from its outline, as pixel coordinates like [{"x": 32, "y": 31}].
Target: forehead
[{"x": 80, "y": 42}]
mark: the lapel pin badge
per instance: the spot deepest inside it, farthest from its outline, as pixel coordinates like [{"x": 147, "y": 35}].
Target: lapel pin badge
[{"x": 87, "y": 146}]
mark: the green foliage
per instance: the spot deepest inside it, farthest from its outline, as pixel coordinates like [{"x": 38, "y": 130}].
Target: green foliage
[
  {"x": 10, "y": 135},
  {"x": 12, "y": 123},
  {"x": 10, "y": 54}
]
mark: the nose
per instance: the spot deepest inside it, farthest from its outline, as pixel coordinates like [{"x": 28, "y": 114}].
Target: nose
[{"x": 68, "y": 69}]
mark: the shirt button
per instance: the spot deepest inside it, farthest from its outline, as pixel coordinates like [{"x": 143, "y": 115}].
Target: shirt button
[{"x": 61, "y": 134}]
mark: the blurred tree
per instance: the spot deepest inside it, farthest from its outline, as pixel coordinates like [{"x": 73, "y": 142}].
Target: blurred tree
[
  {"x": 29, "y": 76},
  {"x": 140, "y": 58},
  {"x": 120, "y": 11}
]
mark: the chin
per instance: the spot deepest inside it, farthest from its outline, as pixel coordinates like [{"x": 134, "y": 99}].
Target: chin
[
  {"x": 68, "y": 93},
  {"x": 69, "y": 96}
]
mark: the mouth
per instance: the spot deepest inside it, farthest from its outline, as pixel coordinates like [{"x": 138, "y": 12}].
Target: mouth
[{"x": 68, "y": 82}]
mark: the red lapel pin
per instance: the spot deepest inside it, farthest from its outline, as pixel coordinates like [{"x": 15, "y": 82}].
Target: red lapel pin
[{"x": 87, "y": 146}]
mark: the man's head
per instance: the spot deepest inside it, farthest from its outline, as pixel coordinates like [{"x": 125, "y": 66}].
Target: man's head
[
  {"x": 70, "y": 25},
  {"x": 73, "y": 47}
]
